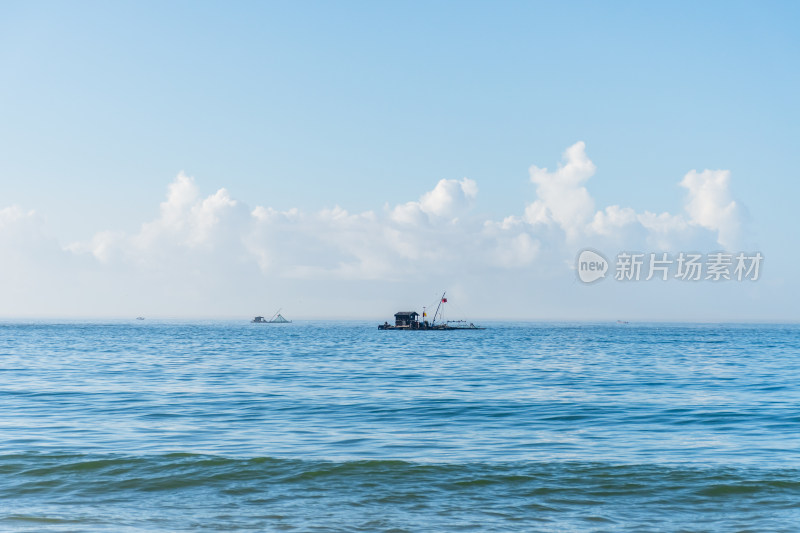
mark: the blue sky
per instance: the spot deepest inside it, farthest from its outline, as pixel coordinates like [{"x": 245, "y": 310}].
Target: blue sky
[{"x": 366, "y": 106}]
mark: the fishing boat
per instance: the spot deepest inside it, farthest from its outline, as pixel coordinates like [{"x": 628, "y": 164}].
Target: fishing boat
[
  {"x": 410, "y": 320},
  {"x": 277, "y": 318}
]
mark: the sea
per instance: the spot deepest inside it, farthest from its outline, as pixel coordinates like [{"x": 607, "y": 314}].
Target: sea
[{"x": 322, "y": 426}]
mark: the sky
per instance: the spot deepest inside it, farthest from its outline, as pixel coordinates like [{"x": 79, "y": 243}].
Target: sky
[{"x": 353, "y": 159}]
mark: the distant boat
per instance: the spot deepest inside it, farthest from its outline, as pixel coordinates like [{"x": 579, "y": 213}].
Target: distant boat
[
  {"x": 409, "y": 320},
  {"x": 277, "y": 318},
  {"x": 139, "y": 318}
]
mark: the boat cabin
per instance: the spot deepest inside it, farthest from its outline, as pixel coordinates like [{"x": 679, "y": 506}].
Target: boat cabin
[{"x": 406, "y": 319}]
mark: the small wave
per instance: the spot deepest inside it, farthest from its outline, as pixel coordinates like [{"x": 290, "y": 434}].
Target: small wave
[
  {"x": 237, "y": 492},
  {"x": 96, "y": 474}
]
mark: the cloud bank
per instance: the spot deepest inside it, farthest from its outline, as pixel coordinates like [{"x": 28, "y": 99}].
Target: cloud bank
[{"x": 197, "y": 240}]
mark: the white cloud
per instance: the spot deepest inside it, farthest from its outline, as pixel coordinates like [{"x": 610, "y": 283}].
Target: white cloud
[
  {"x": 102, "y": 246},
  {"x": 23, "y": 239},
  {"x": 710, "y": 204},
  {"x": 563, "y": 202},
  {"x": 186, "y": 219},
  {"x": 447, "y": 200},
  {"x": 18, "y": 223},
  {"x": 187, "y": 224},
  {"x": 516, "y": 251},
  {"x": 562, "y": 198},
  {"x": 610, "y": 221},
  {"x": 664, "y": 231}
]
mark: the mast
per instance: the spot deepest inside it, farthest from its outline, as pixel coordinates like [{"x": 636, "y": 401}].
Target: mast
[{"x": 437, "y": 308}]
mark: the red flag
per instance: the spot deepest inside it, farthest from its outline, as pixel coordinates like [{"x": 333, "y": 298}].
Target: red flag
[{"x": 444, "y": 300}]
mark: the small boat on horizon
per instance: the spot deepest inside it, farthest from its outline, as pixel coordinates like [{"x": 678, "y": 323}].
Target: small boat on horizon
[
  {"x": 409, "y": 320},
  {"x": 277, "y": 318}
]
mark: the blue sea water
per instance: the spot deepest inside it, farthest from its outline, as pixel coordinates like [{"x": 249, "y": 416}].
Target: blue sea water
[{"x": 337, "y": 426}]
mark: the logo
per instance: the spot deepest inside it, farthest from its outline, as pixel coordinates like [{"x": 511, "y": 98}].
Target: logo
[{"x": 591, "y": 266}]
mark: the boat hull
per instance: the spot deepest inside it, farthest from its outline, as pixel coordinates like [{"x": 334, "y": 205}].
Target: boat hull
[{"x": 425, "y": 328}]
